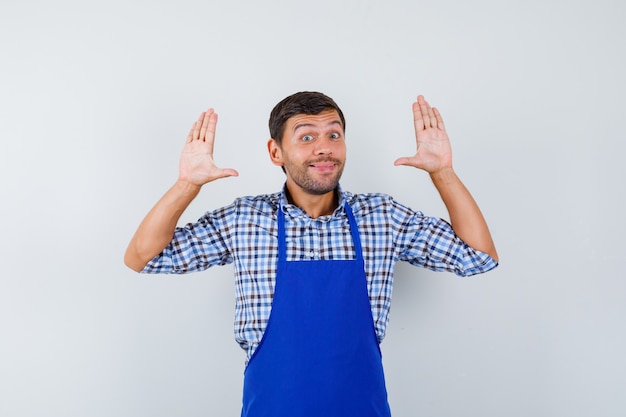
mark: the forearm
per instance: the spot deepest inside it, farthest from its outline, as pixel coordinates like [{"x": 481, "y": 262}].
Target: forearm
[
  {"x": 157, "y": 228},
  {"x": 465, "y": 216}
]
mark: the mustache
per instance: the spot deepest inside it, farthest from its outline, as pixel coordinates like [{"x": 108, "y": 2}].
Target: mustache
[{"x": 323, "y": 160}]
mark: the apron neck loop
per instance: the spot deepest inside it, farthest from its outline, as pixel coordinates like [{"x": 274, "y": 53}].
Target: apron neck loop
[{"x": 354, "y": 231}]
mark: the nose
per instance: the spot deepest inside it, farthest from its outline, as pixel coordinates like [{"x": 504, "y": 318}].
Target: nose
[{"x": 323, "y": 147}]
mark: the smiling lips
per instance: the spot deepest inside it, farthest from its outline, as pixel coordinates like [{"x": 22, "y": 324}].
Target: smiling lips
[{"x": 324, "y": 165}]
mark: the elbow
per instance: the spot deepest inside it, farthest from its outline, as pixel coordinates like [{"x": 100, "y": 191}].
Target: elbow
[
  {"x": 494, "y": 254},
  {"x": 134, "y": 262}
]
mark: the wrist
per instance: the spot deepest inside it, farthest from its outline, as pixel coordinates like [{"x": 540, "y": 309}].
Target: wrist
[
  {"x": 443, "y": 175},
  {"x": 187, "y": 187}
]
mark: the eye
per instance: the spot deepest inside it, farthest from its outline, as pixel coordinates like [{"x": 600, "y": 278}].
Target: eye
[
  {"x": 307, "y": 138},
  {"x": 335, "y": 136}
]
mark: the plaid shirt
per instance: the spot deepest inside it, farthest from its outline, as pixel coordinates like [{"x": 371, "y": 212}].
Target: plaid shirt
[{"x": 245, "y": 233}]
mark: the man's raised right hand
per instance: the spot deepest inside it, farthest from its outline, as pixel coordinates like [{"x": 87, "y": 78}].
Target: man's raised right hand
[{"x": 196, "y": 161}]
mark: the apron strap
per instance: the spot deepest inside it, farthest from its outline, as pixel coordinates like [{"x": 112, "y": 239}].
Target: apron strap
[
  {"x": 282, "y": 250},
  {"x": 354, "y": 231}
]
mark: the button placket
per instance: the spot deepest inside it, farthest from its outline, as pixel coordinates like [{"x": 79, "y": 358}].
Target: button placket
[{"x": 314, "y": 233}]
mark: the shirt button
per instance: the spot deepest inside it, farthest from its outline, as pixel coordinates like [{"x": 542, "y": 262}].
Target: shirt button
[{"x": 311, "y": 254}]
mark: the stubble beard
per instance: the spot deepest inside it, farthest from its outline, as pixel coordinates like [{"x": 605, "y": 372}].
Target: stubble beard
[{"x": 301, "y": 177}]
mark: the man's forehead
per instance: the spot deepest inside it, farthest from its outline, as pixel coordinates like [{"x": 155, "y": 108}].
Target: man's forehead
[{"x": 325, "y": 118}]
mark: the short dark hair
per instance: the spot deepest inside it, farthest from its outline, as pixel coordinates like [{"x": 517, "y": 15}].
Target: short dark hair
[{"x": 304, "y": 102}]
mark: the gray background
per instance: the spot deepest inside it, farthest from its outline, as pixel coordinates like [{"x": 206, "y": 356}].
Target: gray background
[{"x": 96, "y": 99}]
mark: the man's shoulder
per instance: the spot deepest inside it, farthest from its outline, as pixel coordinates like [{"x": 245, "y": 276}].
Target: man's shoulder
[
  {"x": 258, "y": 203},
  {"x": 364, "y": 204},
  {"x": 361, "y": 202}
]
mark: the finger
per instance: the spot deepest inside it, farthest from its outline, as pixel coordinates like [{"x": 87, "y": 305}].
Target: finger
[
  {"x": 206, "y": 120},
  {"x": 406, "y": 161},
  {"x": 196, "y": 127},
  {"x": 209, "y": 128},
  {"x": 227, "y": 172},
  {"x": 439, "y": 119},
  {"x": 210, "y": 131},
  {"x": 418, "y": 121},
  {"x": 401, "y": 161},
  {"x": 190, "y": 135},
  {"x": 432, "y": 117},
  {"x": 423, "y": 104}
]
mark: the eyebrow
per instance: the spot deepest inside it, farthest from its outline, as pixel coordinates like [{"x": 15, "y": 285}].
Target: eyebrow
[{"x": 301, "y": 125}]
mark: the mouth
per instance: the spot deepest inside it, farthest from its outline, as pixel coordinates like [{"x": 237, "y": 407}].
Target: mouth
[{"x": 323, "y": 166}]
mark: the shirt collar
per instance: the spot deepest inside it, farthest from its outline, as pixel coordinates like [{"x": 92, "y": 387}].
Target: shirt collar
[{"x": 295, "y": 211}]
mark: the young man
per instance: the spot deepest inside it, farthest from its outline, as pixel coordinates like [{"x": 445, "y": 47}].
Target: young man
[{"x": 313, "y": 263}]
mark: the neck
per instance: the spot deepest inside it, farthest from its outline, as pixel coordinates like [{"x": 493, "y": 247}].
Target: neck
[{"x": 315, "y": 205}]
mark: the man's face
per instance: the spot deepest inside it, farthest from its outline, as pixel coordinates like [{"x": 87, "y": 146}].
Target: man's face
[{"x": 313, "y": 152}]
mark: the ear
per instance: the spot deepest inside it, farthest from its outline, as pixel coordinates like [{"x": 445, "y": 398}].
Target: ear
[{"x": 276, "y": 155}]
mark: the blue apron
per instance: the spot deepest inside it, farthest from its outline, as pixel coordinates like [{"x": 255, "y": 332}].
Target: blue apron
[{"x": 319, "y": 355}]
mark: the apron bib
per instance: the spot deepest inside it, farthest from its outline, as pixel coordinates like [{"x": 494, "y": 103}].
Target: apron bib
[{"x": 319, "y": 355}]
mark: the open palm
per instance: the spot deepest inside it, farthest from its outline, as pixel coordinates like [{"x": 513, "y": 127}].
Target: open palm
[
  {"x": 196, "y": 160},
  {"x": 433, "y": 145}
]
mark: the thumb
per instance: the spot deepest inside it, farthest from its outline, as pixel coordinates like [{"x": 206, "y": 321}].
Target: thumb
[
  {"x": 228, "y": 172},
  {"x": 402, "y": 161}
]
